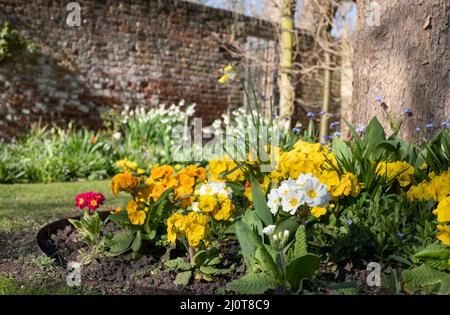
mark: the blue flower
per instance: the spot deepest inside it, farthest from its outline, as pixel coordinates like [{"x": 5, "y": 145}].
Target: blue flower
[
  {"x": 322, "y": 112},
  {"x": 337, "y": 134},
  {"x": 407, "y": 111},
  {"x": 361, "y": 129},
  {"x": 323, "y": 142},
  {"x": 349, "y": 222},
  {"x": 334, "y": 124},
  {"x": 418, "y": 129},
  {"x": 378, "y": 99},
  {"x": 445, "y": 124},
  {"x": 429, "y": 126},
  {"x": 400, "y": 235},
  {"x": 310, "y": 115},
  {"x": 295, "y": 130}
]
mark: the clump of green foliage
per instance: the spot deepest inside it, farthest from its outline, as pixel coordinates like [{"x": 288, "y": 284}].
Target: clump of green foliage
[{"x": 12, "y": 43}]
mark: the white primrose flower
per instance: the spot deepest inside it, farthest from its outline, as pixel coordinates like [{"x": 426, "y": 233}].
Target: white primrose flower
[
  {"x": 268, "y": 230},
  {"x": 286, "y": 186},
  {"x": 303, "y": 180},
  {"x": 292, "y": 200},
  {"x": 274, "y": 201},
  {"x": 316, "y": 193},
  {"x": 215, "y": 188}
]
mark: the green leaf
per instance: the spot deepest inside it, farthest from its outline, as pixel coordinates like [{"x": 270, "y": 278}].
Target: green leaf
[
  {"x": 248, "y": 248},
  {"x": 445, "y": 286},
  {"x": 300, "y": 245},
  {"x": 76, "y": 223},
  {"x": 252, "y": 221},
  {"x": 121, "y": 242},
  {"x": 374, "y": 135},
  {"x": 207, "y": 257},
  {"x": 340, "y": 149},
  {"x": 252, "y": 245},
  {"x": 422, "y": 277},
  {"x": 343, "y": 288},
  {"x": 178, "y": 263},
  {"x": 290, "y": 224},
  {"x": 260, "y": 203},
  {"x": 159, "y": 211},
  {"x": 119, "y": 218},
  {"x": 433, "y": 251},
  {"x": 209, "y": 270},
  {"x": 253, "y": 283},
  {"x": 136, "y": 245},
  {"x": 183, "y": 278},
  {"x": 303, "y": 267}
]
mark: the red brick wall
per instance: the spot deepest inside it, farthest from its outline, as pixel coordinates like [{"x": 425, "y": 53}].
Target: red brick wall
[{"x": 125, "y": 52}]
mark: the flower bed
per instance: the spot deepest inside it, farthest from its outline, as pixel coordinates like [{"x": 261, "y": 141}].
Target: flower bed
[{"x": 311, "y": 225}]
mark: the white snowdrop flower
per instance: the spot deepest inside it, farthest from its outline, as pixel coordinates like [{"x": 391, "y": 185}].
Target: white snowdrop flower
[
  {"x": 286, "y": 234},
  {"x": 274, "y": 201},
  {"x": 268, "y": 230},
  {"x": 117, "y": 135}
]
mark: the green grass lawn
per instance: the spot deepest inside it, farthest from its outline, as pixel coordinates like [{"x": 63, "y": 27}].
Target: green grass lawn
[
  {"x": 22, "y": 203},
  {"x": 24, "y": 209}
]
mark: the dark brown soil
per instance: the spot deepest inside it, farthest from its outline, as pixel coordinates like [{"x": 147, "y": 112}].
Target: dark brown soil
[
  {"x": 21, "y": 258},
  {"x": 145, "y": 273}
]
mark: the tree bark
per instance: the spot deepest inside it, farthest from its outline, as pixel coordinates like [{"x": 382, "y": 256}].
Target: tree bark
[
  {"x": 326, "y": 96},
  {"x": 402, "y": 54},
  {"x": 285, "y": 85}
]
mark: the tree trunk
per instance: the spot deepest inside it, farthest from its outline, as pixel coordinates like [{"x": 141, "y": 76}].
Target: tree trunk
[
  {"x": 402, "y": 54},
  {"x": 346, "y": 45},
  {"x": 326, "y": 96},
  {"x": 285, "y": 85}
]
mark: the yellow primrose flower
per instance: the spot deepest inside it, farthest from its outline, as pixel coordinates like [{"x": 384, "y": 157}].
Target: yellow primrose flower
[
  {"x": 123, "y": 182},
  {"x": 157, "y": 190},
  {"x": 140, "y": 171},
  {"x": 318, "y": 211},
  {"x": 194, "y": 226},
  {"x": 175, "y": 225},
  {"x": 402, "y": 171},
  {"x": 443, "y": 210},
  {"x": 207, "y": 203},
  {"x": 137, "y": 217},
  {"x": 131, "y": 206},
  {"x": 444, "y": 234},
  {"x": 161, "y": 171},
  {"x": 437, "y": 188},
  {"x": 126, "y": 164},
  {"x": 225, "y": 212}
]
